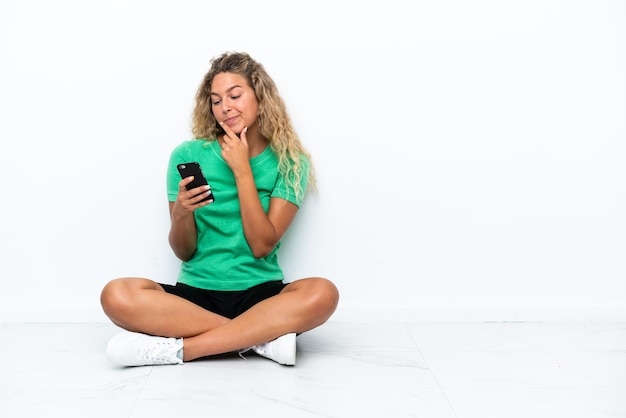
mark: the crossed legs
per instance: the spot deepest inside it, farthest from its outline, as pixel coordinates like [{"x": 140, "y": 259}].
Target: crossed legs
[{"x": 141, "y": 305}]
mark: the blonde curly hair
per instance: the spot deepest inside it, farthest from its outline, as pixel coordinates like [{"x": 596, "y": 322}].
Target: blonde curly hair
[{"x": 273, "y": 120}]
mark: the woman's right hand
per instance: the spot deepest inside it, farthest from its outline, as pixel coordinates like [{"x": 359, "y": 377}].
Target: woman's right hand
[
  {"x": 189, "y": 200},
  {"x": 183, "y": 234}
]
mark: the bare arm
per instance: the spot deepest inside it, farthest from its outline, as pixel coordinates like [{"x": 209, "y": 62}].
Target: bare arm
[
  {"x": 262, "y": 231},
  {"x": 183, "y": 234}
]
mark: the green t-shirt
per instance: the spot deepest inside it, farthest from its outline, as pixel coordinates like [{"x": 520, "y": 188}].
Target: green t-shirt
[{"x": 223, "y": 260}]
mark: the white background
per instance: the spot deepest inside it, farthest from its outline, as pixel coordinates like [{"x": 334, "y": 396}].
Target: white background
[{"x": 470, "y": 154}]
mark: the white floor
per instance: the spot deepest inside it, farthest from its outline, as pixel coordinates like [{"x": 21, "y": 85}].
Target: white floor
[{"x": 344, "y": 369}]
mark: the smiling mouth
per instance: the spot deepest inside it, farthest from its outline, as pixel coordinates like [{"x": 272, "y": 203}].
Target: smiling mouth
[{"x": 230, "y": 120}]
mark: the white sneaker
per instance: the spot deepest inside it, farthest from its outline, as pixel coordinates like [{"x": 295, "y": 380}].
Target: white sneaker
[
  {"x": 136, "y": 349},
  {"x": 282, "y": 350}
]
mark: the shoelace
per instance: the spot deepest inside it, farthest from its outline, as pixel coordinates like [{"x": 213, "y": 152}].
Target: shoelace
[{"x": 158, "y": 352}]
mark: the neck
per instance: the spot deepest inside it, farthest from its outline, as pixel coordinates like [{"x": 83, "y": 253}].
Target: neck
[{"x": 256, "y": 147}]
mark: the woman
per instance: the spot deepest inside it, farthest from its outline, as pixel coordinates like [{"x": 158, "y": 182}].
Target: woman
[{"x": 230, "y": 294}]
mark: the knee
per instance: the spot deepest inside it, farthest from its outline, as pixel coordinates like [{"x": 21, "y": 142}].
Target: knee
[
  {"x": 325, "y": 297},
  {"x": 114, "y": 297}
]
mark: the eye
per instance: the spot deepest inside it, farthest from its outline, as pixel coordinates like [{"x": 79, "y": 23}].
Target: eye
[
  {"x": 235, "y": 97},
  {"x": 216, "y": 102}
]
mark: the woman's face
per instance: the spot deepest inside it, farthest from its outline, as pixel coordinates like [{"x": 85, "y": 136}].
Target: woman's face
[{"x": 233, "y": 101}]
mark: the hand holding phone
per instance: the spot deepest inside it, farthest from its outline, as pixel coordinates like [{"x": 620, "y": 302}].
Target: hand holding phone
[{"x": 193, "y": 169}]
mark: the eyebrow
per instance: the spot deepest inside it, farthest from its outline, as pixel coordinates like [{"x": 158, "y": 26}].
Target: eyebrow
[{"x": 228, "y": 90}]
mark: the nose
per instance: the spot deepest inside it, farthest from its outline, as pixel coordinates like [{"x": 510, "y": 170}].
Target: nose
[{"x": 226, "y": 106}]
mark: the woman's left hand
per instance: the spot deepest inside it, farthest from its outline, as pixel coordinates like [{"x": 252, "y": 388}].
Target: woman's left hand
[{"x": 235, "y": 149}]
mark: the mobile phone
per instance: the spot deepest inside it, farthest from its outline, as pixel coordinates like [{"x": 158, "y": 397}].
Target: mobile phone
[{"x": 193, "y": 169}]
